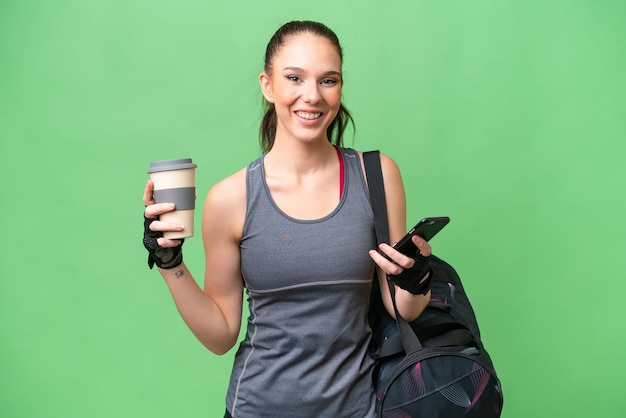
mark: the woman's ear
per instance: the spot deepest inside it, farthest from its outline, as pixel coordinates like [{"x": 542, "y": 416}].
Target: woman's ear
[{"x": 266, "y": 87}]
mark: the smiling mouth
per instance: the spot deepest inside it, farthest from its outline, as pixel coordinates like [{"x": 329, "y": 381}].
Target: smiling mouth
[{"x": 308, "y": 115}]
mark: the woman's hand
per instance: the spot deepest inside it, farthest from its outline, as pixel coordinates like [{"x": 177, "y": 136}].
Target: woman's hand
[
  {"x": 165, "y": 253},
  {"x": 409, "y": 272}
]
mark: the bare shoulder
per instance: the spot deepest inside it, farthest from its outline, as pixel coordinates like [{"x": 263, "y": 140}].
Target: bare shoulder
[
  {"x": 391, "y": 171},
  {"x": 226, "y": 202},
  {"x": 229, "y": 191},
  {"x": 392, "y": 178}
]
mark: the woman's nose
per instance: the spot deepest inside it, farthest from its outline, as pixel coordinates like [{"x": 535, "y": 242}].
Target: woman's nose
[{"x": 312, "y": 94}]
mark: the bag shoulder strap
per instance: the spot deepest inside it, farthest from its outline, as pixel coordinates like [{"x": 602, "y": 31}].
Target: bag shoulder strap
[{"x": 376, "y": 187}]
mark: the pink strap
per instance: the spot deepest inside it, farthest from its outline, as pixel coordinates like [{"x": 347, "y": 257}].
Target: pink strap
[{"x": 341, "y": 171}]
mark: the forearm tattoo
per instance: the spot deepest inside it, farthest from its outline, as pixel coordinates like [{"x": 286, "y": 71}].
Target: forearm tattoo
[{"x": 180, "y": 273}]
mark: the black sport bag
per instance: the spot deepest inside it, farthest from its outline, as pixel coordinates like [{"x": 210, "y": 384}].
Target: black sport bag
[
  {"x": 436, "y": 366},
  {"x": 444, "y": 371}
]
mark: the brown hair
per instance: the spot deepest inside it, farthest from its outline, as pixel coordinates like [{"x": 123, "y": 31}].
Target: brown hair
[{"x": 267, "y": 129}]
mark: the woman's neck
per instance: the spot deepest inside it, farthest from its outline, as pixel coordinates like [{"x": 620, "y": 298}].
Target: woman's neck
[{"x": 300, "y": 157}]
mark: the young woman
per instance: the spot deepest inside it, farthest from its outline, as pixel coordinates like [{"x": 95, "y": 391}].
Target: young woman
[{"x": 295, "y": 229}]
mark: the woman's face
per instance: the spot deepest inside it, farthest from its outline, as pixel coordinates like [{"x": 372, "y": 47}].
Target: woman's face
[{"x": 304, "y": 86}]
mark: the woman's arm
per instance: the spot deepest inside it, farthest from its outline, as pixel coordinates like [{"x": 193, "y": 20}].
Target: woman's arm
[
  {"x": 409, "y": 306},
  {"x": 212, "y": 314}
]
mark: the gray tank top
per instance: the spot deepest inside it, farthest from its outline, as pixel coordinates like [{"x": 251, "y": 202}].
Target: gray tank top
[{"x": 305, "y": 353}]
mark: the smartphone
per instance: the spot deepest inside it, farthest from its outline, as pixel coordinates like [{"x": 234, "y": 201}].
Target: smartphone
[{"x": 426, "y": 228}]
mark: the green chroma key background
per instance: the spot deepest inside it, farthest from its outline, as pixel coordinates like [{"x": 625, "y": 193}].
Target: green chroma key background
[{"x": 507, "y": 116}]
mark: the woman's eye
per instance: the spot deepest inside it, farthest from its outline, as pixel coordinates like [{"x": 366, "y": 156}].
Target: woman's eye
[
  {"x": 329, "y": 81},
  {"x": 293, "y": 78}
]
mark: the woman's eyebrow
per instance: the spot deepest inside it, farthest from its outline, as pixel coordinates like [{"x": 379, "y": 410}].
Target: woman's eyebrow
[{"x": 298, "y": 69}]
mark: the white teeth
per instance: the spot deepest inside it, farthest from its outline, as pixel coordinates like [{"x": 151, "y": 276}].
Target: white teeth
[{"x": 309, "y": 116}]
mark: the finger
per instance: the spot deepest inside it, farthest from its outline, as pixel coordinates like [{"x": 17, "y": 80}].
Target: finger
[
  {"x": 422, "y": 245},
  {"x": 396, "y": 256},
  {"x": 148, "y": 199},
  {"x": 157, "y": 209},
  {"x": 165, "y": 226},
  {"x": 386, "y": 265},
  {"x": 167, "y": 243}
]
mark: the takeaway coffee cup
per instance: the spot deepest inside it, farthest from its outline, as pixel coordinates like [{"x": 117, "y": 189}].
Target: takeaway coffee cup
[{"x": 174, "y": 182}]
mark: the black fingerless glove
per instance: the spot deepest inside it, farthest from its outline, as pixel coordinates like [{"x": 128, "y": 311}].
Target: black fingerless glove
[
  {"x": 411, "y": 279},
  {"x": 165, "y": 258}
]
